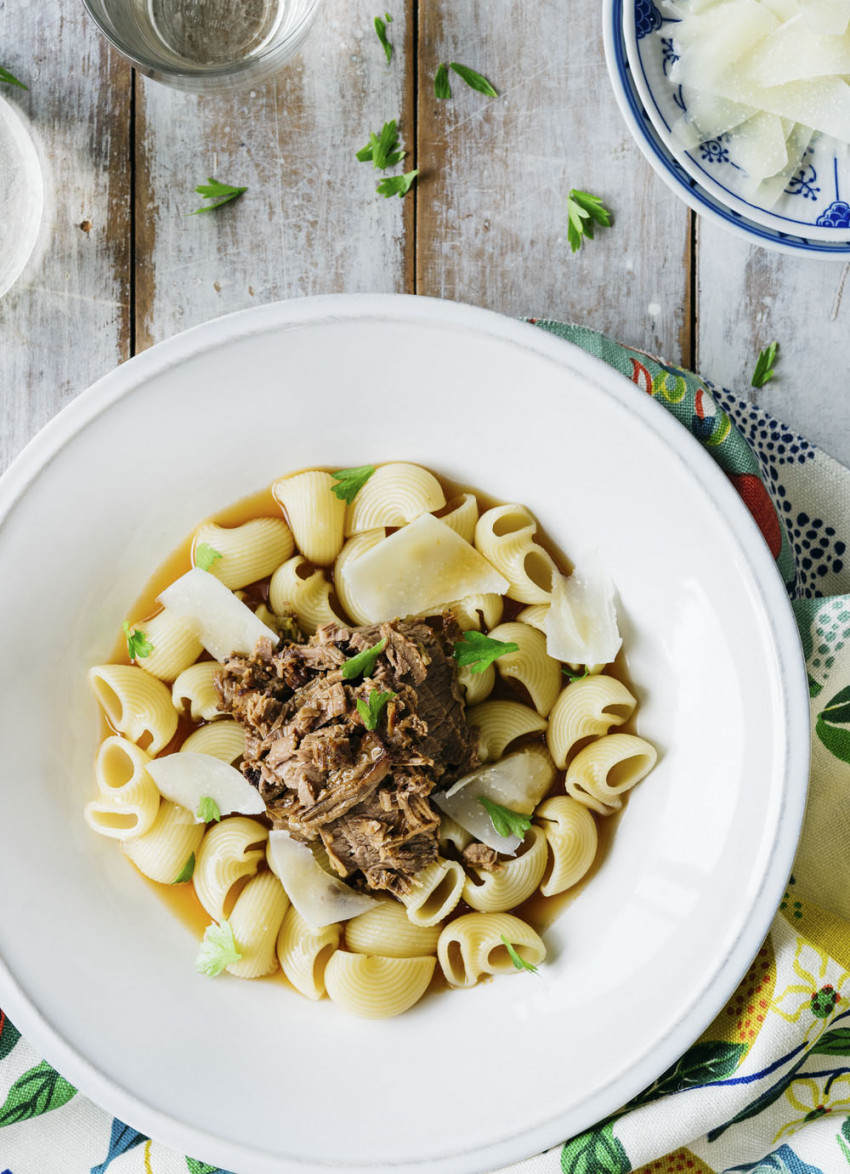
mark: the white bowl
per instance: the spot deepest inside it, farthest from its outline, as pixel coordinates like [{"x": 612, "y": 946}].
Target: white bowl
[{"x": 250, "y": 1076}]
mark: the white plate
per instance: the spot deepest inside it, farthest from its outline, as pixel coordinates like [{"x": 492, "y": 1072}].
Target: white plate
[{"x": 250, "y": 1076}]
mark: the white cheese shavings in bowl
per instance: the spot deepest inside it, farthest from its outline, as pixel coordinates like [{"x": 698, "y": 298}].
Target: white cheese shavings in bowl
[
  {"x": 222, "y": 623},
  {"x": 321, "y": 899},
  {"x": 766, "y": 74},
  {"x": 187, "y": 778},
  {"x": 581, "y": 623}
]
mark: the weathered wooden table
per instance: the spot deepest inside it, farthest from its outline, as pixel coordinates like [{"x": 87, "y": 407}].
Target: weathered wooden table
[{"x": 121, "y": 266}]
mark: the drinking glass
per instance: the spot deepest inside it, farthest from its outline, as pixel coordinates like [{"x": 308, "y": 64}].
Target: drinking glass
[{"x": 205, "y": 44}]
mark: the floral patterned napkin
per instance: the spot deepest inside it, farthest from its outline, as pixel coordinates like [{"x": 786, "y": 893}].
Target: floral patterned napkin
[{"x": 766, "y": 1089}]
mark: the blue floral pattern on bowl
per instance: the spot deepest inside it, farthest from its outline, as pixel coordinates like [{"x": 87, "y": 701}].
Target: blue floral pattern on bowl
[
  {"x": 821, "y": 226},
  {"x": 814, "y": 204}
]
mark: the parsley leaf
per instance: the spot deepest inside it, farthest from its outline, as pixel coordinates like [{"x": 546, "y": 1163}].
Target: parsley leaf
[
  {"x": 381, "y": 149},
  {"x": 519, "y": 963},
  {"x": 351, "y": 481},
  {"x": 138, "y": 645},
  {"x": 218, "y": 949},
  {"x": 397, "y": 185},
  {"x": 220, "y": 193},
  {"x": 363, "y": 662},
  {"x": 474, "y": 80},
  {"x": 371, "y": 713},
  {"x": 442, "y": 87},
  {"x": 764, "y": 371},
  {"x": 208, "y": 810},
  {"x": 205, "y": 556},
  {"x": 583, "y": 209},
  {"x": 576, "y": 676},
  {"x": 505, "y": 822},
  {"x": 381, "y": 30},
  {"x": 186, "y": 871},
  {"x": 10, "y": 79},
  {"x": 479, "y": 651}
]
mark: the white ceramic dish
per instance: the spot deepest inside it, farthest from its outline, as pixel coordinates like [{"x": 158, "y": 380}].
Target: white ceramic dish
[{"x": 250, "y": 1076}]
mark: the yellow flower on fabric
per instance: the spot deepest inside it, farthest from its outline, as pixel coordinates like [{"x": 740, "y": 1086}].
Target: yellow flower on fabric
[
  {"x": 808, "y": 1098},
  {"x": 818, "y": 994}
]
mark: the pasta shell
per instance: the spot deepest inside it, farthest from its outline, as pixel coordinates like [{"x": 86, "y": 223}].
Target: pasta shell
[
  {"x": 377, "y": 988},
  {"x": 395, "y": 494},
  {"x": 248, "y": 552},
  {"x": 471, "y": 946}
]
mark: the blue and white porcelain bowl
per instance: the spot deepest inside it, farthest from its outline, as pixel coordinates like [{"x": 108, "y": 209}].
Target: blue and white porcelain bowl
[{"x": 812, "y": 216}]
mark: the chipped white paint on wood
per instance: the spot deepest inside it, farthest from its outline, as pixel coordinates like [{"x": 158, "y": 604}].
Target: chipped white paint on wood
[
  {"x": 66, "y": 321},
  {"x": 749, "y": 297},
  {"x": 311, "y": 221},
  {"x": 492, "y": 204}
]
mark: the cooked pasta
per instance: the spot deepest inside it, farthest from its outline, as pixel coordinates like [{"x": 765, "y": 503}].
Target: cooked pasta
[
  {"x": 462, "y": 515},
  {"x": 599, "y": 774},
  {"x": 128, "y": 801},
  {"x": 352, "y": 550},
  {"x": 136, "y": 704},
  {"x": 395, "y": 494},
  {"x": 572, "y": 837},
  {"x": 173, "y": 646},
  {"x": 452, "y": 833},
  {"x": 376, "y": 988},
  {"x": 472, "y": 946},
  {"x": 585, "y": 709},
  {"x": 505, "y": 536},
  {"x": 256, "y": 919},
  {"x": 231, "y": 850},
  {"x": 512, "y": 881},
  {"x": 534, "y": 615},
  {"x": 305, "y": 591},
  {"x": 468, "y": 611},
  {"x": 304, "y": 952},
  {"x": 196, "y": 685},
  {"x": 531, "y": 665},
  {"x": 436, "y": 891},
  {"x": 477, "y": 687},
  {"x": 224, "y": 739},
  {"x": 315, "y": 514},
  {"x": 500, "y": 723},
  {"x": 167, "y": 851},
  {"x": 387, "y": 931},
  {"x": 247, "y": 553}
]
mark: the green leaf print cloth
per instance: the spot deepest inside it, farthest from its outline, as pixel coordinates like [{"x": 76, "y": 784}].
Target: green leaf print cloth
[{"x": 766, "y": 1089}]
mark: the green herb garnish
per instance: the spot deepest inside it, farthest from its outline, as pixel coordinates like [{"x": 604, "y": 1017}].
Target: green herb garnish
[
  {"x": 205, "y": 556},
  {"x": 764, "y": 371},
  {"x": 442, "y": 88},
  {"x": 218, "y": 949},
  {"x": 519, "y": 963},
  {"x": 474, "y": 80},
  {"x": 381, "y": 149},
  {"x": 576, "y": 676},
  {"x": 10, "y": 79},
  {"x": 397, "y": 185},
  {"x": 506, "y": 822},
  {"x": 138, "y": 645},
  {"x": 363, "y": 662},
  {"x": 371, "y": 713},
  {"x": 220, "y": 193},
  {"x": 186, "y": 871},
  {"x": 351, "y": 481},
  {"x": 583, "y": 210},
  {"x": 479, "y": 651},
  {"x": 208, "y": 810},
  {"x": 381, "y": 30}
]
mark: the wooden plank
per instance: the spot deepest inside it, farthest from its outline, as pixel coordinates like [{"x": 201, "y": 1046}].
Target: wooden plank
[
  {"x": 67, "y": 320},
  {"x": 748, "y": 297},
  {"x": 311, "y": 221},
  {"x": 491, "y": 205}
]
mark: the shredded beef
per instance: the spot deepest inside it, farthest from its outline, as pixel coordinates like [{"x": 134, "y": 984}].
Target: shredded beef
[
  {"x": 480, "y": 856},
  {"x": 323, "y": 774}
]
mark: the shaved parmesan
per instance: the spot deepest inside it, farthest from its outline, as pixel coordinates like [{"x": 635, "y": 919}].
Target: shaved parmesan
[
  {"x": 187, "y": 778},
  {"x": 417, "y": 571},
  {"x": 827, "y": 17},
  {"x": 221, "y": 622},
  {"x": 758, "y": 145},
  {"x": 581, "y": 624},
  {"x": 321, "y": 899},
  {"x": 517, "y": 782}
]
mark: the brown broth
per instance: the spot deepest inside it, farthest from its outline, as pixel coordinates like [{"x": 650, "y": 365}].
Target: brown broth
[{"x": 539, "y": 911}]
